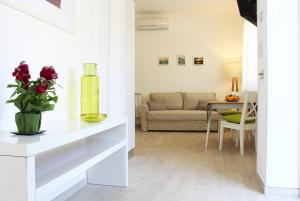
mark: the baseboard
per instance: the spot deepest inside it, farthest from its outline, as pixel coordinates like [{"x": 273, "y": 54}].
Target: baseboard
[
  {"x": 261, "y": 184},
  {"x": 285, "y": 192},
  {"x": 130, "y": 153}
]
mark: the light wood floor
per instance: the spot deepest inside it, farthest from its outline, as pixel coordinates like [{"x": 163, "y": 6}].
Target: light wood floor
[{"x": 175, "y": 167}]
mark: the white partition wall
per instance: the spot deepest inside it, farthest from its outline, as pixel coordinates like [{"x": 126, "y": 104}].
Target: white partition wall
[
  {"x": 250, "y": 57},
  {"x": 262, "y": 91},
  {"x": 279, "y": 137},
  {"x": 131, "y": 76},
  {"x": 121, "y": 70},
  {"x": 103, "y": 47}
]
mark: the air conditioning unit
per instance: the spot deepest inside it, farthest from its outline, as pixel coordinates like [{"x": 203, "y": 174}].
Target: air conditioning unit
[{"x": 152, "y": 24}]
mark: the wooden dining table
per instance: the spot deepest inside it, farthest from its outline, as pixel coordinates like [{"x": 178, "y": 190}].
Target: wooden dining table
[{"x": 215, "y": 105}]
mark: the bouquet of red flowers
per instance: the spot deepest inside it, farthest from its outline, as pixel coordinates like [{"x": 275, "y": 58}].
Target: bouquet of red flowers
[{"x": 32, "y": 97}]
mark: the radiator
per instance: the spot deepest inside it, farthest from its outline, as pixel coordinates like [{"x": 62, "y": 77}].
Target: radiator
[{"x": 138, "y": 102}]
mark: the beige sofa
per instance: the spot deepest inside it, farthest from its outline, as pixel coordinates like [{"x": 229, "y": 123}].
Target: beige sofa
[{"x": 177, "y": 112}]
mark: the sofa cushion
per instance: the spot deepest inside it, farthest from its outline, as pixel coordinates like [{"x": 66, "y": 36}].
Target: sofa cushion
[
  {"x": 202, "y": 105},
  {"x": 180, "y": 115},
  {"x": 157, "y": 105},
  {"x": 192, "y": 101},
  {"x": 174, "y": 101}
]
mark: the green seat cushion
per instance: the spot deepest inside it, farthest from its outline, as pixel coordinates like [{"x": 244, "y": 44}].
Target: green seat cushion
[
  {"x": 236, "y": 119},
  {"x": 229, "y": 113}
]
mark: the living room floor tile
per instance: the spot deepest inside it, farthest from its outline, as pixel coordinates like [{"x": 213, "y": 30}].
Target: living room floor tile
[{"x": 174, "y": 166}]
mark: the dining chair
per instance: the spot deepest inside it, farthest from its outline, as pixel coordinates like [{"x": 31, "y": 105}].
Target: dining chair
[{"x": 245, "y": 121}]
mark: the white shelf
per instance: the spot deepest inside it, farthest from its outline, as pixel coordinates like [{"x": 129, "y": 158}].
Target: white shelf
[
  {"x": 54, "y": 170},
  {"x": 63, "y": 133},
  {"x": 44, "y": 166}
]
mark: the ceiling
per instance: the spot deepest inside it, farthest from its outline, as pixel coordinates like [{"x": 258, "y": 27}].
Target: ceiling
[{"x": 162, "y": 6}]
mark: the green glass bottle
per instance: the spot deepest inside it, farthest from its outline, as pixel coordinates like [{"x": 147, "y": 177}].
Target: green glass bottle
[{"x": 90, "y": 93}]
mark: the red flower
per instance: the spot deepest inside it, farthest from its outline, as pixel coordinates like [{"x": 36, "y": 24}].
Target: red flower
[
  {"x": 26, "y": 78},
  {"x": 41, "y": 88},
  {"x": 22, "y": 73},
  {"x": 15, "y": 72},
  {"x": 48, "y": 73},
  {"x": 24, "y": 68},
  {"x": 19, "y": 76}
]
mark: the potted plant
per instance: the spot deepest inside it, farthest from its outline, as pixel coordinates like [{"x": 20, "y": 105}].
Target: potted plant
[{"x": 32, "y": 97}]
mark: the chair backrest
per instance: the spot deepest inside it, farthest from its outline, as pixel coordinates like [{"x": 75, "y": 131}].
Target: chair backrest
[{"x": 250, "y": 107}]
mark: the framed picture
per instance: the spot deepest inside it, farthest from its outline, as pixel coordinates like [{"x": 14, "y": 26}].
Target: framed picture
[
  {"x": 163, "y": 60},
  {"x": 198, "y": 61},
  {"x": 56, "y": 3},
  {"x": 59, "y": 13},
  {"x": 181, "y": 60}
]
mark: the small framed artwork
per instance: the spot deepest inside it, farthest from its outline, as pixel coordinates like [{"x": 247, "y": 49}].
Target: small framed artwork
[
  {"x": 58, "y": 13},
  {"x": 198, "y": 60},
  {"x": 56, "y": 3},
  {"x": 181, "y": 60},
  {"x": 163, "y": 60}
]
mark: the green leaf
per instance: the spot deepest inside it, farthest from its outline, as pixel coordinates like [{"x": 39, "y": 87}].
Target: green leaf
[
  {"x": 31, "y": 101},
  {"x": 28, "y": 99},
  {"x": 12, "y": 85},
  {"x": 15, "y": 92},
  {"x": 53, "y": 98},
  {"x": 19, "y": 102},
  {"x": 39, "y": 108},
  {"x": 52, "y": 92},
  {"x": 22, "y": 91},
  {"x": 10, "y": 101}
]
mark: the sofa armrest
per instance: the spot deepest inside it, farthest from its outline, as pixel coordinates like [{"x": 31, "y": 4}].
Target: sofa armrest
[{"x": 143, "y": 110}]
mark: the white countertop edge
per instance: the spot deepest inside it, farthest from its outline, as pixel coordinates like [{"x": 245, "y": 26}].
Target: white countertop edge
[{"x": 50, "y": 141}]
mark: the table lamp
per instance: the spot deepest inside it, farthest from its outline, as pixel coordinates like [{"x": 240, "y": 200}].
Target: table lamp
[{"x": 234, "y": 71}]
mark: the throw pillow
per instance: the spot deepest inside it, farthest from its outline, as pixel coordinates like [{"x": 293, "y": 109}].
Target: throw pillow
[
  {"x": 157, "y": 105},
  {"x": 202, "y": 105}
]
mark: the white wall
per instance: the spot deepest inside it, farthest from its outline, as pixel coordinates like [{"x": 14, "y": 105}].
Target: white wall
[
  {"x": 121, "y": 84},
  {"x": 26, "y": 38},
  {"x": 283, "y": 93},
  {"x": 283, "y": 154},
  {"x": 262, "y": 90},
  {"x": 250, "y": 57},
  {"x": 38, "y": 43},
  {"x": 216, "y": 37}
]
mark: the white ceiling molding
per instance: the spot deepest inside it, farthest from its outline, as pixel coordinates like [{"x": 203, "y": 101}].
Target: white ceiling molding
[{"x": 167, "y": 6}]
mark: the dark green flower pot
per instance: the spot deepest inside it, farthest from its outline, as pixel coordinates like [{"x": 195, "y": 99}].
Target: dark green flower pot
[{"x": 28, "y": 123}]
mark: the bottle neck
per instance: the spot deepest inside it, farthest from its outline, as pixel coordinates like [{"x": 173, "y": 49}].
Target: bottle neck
[{"x": 89, "y": 69}]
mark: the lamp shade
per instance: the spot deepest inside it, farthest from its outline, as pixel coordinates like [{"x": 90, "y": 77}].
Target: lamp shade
[{"x": 233, "y": 69}]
